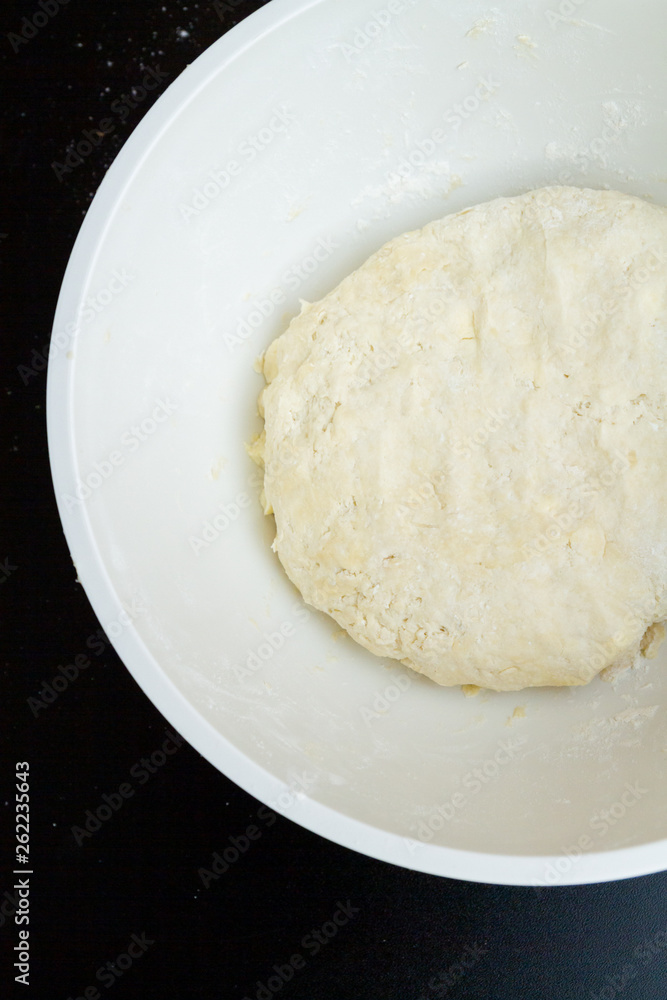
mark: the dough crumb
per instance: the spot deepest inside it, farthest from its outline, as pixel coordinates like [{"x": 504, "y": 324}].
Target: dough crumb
[
  {"x": 479, "y": 26},
  {"x": 653, "y": 639},
  {"x": 255, "y": 449},
  {"x": 518, "y": 713},
  {"x": 634, "y": 717}
]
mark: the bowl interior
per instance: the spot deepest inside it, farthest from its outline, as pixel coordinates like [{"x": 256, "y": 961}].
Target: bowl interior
[{"x": 289, "y": 152}]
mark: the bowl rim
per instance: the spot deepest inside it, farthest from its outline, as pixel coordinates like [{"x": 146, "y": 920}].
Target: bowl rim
[{"x": 497, "y": 869}]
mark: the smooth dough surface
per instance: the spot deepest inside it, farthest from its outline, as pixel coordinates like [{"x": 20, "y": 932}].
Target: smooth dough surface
[{"x": 465, "y": 445}]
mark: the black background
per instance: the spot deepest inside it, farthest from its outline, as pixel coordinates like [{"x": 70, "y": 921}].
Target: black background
[{"x": 139, "y": 873}]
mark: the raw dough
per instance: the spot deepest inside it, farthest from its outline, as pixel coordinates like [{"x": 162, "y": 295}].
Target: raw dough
[{"x": 465, "y": 445}]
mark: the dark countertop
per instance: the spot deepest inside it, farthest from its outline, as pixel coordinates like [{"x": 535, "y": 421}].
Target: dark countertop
[{"x": 143, "y": 883}]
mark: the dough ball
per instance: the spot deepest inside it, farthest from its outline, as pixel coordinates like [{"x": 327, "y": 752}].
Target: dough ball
[{"x": 465, "y": 446}]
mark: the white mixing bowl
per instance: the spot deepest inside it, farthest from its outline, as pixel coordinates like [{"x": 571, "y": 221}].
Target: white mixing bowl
[{"x": 291, "y": 150}]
